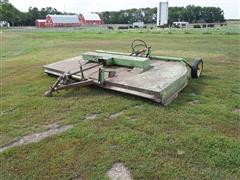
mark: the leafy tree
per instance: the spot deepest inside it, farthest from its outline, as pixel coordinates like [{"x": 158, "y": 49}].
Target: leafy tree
[
  {"x": 9, "y": 13},
  {"x": 194, "y": 14},
  {"x": 4, "y": 1},
  {"x": 190, "y": 14}
]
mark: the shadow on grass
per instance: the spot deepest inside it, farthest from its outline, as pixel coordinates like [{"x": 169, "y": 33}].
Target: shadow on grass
[
  {"x": 195, "y": 86},
  {"x": 92, "y": 91}
]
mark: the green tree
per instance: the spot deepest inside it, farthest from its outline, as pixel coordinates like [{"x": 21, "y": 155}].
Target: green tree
[
  {"x": 190, "y": 14},
  {"x": 9, "y": 13}
]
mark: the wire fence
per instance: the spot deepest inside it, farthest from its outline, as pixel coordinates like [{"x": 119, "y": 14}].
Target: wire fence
[{"x": 226, "y": 29}]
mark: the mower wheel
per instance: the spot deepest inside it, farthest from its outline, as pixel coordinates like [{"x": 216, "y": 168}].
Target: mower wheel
[{"x": 197, "y": 68}]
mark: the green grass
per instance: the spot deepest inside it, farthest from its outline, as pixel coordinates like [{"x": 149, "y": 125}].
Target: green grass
[{"x": 147, "y": 137}]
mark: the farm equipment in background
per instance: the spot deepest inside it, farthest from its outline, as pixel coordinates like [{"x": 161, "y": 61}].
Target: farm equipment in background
[{"x": 159, "y": 78}]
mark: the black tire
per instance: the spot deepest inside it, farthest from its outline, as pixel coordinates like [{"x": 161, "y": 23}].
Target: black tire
[{"x": 197, "y": 68}]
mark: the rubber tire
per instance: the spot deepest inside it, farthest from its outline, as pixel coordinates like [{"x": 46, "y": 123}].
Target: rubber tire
[{"x": 195, "y": 66}]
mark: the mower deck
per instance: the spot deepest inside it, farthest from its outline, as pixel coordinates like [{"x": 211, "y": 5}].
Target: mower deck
[{"x": 160, "y": 82}]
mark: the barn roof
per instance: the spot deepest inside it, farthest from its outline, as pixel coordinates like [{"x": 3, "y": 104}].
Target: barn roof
[
  {"x": 91, "y": 17},
  {"x": 64, "y": 18},
  {"x": 41, "y": 20}
]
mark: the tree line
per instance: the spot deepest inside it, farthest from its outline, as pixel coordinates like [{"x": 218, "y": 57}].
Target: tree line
[
  {"x": 191, "y": 14},
  {"x": 17, "y": 18}
]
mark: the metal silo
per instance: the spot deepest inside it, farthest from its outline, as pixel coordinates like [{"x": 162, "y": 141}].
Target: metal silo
[{"x": 162, "y": 14}]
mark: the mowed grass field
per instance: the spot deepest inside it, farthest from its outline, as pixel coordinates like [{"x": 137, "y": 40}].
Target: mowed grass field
[{"x": 196, "y": 137}]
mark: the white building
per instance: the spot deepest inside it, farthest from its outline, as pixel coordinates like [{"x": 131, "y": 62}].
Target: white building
[
  {"x": 180, "y": 24},
  {"x": 4, "y": 24}
]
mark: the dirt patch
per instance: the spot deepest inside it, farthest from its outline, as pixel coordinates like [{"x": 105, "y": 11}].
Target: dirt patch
[
  {"x": 52, "y": 126},
  {"x": 91, "y": 116},
  {"x": 192, "y": 94},
  {"x": 138, "y": 106},
  {"x": 229, "y": 130},
  {"x": 132, "y": 118},
  {"x": 180, "y": 152},
  {"x": 54, "y": 129},
  {"x": 8, "y": 111},
  {"x": 195, "y": 102},
  {"x": 119, "y": 172},
  {"x": 115, "y": 115},
  {"x": 236, "y": 110}
]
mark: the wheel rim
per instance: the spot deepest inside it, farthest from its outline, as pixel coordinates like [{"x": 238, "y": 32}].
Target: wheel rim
[{"x": 199, "y": 69}]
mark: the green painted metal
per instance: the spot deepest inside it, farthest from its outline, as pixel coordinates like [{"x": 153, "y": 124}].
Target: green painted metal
[
  {"x": 82, "y": 75},
  {"x": 167, "y": 94},
  {"x": 98, "y": 58},
  {"x": 168, "y": 58},
  {"x": 101, "y": 75},
  {"x": 162, "y": 58},
  {"x": 115, "y": 59},
  {"x": 112, "y": 52}
]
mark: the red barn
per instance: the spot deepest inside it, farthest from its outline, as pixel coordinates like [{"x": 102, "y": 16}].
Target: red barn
[
  {"x": 40, "y": 23},
  {"x": 90, "y": 19},
  {"x": 69, "y": 20},
  {"x": 62, "y": 21}
]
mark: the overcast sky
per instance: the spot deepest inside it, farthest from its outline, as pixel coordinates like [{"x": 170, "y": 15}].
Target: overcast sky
[{"x": 230, "y": 7}]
